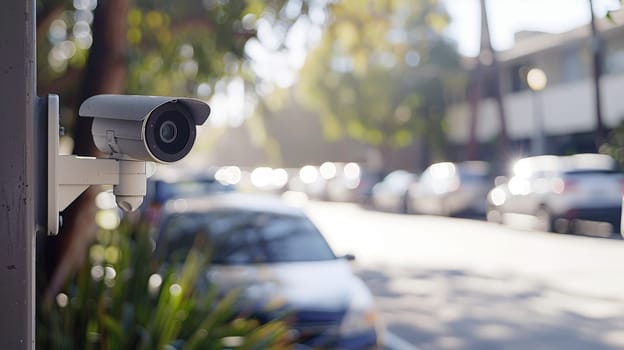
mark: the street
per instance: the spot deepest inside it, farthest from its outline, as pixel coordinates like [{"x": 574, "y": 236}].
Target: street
[{"x": 445, "y": 283}]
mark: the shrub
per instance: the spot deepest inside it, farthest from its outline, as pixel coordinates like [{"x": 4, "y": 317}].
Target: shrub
[{"x": 123, "y": 299}]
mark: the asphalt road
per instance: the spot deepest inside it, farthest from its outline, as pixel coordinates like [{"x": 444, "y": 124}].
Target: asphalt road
[{"x": 443, "y": 283}]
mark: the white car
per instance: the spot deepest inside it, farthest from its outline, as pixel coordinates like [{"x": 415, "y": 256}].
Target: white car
[
  {"x": 280, "y": 261},
  {"x": 390, "y": 193},
  {"x": 563, "y": 193},
  {"x": 451, "y": 189}
]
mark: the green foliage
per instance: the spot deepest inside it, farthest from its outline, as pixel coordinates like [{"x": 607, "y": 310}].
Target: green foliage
[
  {"x": 121, "y": 299},
  {"x": 381, "y": 71},
  {"x": 615, "y": 145},
  {"x": 174, "y": 47},
  {"x": 609, "y": 14},
  {"x": 177, "y": 46}
]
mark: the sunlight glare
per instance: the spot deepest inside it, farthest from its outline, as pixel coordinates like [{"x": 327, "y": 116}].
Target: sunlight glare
[{"x": 328, "y": 170}]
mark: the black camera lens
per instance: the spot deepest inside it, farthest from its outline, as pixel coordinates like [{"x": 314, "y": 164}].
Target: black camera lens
[{"x": 170, "y": 132}]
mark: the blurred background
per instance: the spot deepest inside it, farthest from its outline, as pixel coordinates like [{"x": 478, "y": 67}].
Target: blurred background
[{"x": 464, "y": 156}]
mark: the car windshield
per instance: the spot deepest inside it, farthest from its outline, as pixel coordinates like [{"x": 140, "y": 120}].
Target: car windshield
[
  {"x": 468, "y": 176},
  {"x": 235, "y": 236}
]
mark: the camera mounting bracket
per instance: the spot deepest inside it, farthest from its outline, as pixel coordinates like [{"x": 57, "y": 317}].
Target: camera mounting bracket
[{"x": 69, "y": 175}]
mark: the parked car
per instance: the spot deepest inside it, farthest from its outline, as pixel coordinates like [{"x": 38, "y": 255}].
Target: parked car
[
  {"x": 390, "y": 194},
  {"x": 342, "y": 186},
  {"x": 563, "y": 193},
  {"x": 364, "y": 192},
  {"x": 280, "y": 262},
  {"x": 451, "y": 189}
]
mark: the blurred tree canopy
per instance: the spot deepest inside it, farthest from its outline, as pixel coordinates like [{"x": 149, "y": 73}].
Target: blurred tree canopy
[
  {"x": 381, "y": 72},
  {"x": 169, "y": 47}
]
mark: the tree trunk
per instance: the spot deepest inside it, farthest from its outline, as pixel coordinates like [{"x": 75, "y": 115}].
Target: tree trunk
[
  {"x": 597, "y": 47},
  {"x": 474, "y": 100},
  {"x": 486, "y": 83},
  {"x": 106, "y": 72},
  {"x": 503, "y": 138}
]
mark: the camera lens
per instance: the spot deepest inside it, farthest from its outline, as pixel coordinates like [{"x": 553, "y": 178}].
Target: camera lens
[{"x": 170, "y": 132}]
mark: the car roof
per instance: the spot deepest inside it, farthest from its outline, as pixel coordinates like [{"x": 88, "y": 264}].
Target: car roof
[
  {"x": 471, "y": 167},
  {"x": 172, "y": 173},
  {"x": 590, "y": 161},
  {"x": 232, "y": 200},
  {"x": 574, "y": 162}
]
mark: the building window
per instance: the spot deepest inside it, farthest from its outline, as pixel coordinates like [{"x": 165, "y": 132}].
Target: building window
[
  {"x": 571, "y": 65},
  {"x": 518, "y": 76},
  {"x": 614, "y": 57}
]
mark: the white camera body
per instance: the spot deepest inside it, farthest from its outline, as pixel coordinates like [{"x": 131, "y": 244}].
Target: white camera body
[
  {"x": 151, "y": 128},
  {"x": 131, "y": 130}
]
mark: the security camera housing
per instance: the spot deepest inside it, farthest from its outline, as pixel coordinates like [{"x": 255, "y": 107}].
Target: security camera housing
[
  {"x": 151, "y": 128},
  {"x": 130, "y": 130}
]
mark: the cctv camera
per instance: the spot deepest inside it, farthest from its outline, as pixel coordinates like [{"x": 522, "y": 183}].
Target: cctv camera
[
  {"x": 150, "y": 128},
  {"x": 131, "y": 130}
]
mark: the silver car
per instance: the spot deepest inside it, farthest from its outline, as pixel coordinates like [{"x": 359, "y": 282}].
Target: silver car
[
  {"x": 280, "y": 262},
  {"x": 451, "y": 189},
  {"x": 390, "y": 193},
  {"x": 561, "y": 193}
]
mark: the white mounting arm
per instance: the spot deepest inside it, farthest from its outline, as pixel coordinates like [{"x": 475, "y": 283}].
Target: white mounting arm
[{"x": 69, "y": 176}]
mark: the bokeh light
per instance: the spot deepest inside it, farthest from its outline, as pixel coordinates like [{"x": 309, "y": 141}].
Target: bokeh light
[
  {"x": 97, "y": 273},
  {"x": 352, "y": 170},
  {"x": 105, "y": 200},
  {"x": 328, "y": 170},
  {"x": 175, "y": 289},
  {"x": 62, "y": 300},
  {"x": 108, "y": 219},
  {"x": 154, "y": 283},
  {"x": 280, "y": 177},
  {"x": 308, "y": 174},
  {"x": 262, "y": 177},
  {"x": 536, "y": 79},
  {"x": 230, "y": 175}
]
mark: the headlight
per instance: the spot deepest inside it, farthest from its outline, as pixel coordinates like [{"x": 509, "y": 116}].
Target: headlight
[
  {"x": 498, "y": 196},
  {"x": 361, "y": 315},
  {"x": 358, "y": 321}
]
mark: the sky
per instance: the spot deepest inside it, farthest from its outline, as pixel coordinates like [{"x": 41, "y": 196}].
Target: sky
[{"x": 509, "y": 16}]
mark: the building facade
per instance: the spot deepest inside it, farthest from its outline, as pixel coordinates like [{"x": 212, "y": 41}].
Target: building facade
[{"x": 565, "y": 110}]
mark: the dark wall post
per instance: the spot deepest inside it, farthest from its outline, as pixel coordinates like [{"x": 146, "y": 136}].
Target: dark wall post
[{"x": 17, "y": 173}]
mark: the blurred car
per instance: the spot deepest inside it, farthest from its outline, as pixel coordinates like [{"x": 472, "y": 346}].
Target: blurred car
[
  {"x": 343, "y": 183},
  {"x": 564, "y": 193},
  {"x": 390, "y": 194},
  {"x": 277, "y": 257},
  {"x": 363, "y": 193},
  {"x": 451, "y": 189},
  {"x": 309, "y": 181},
  {"x": 167, "y": 185}
]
